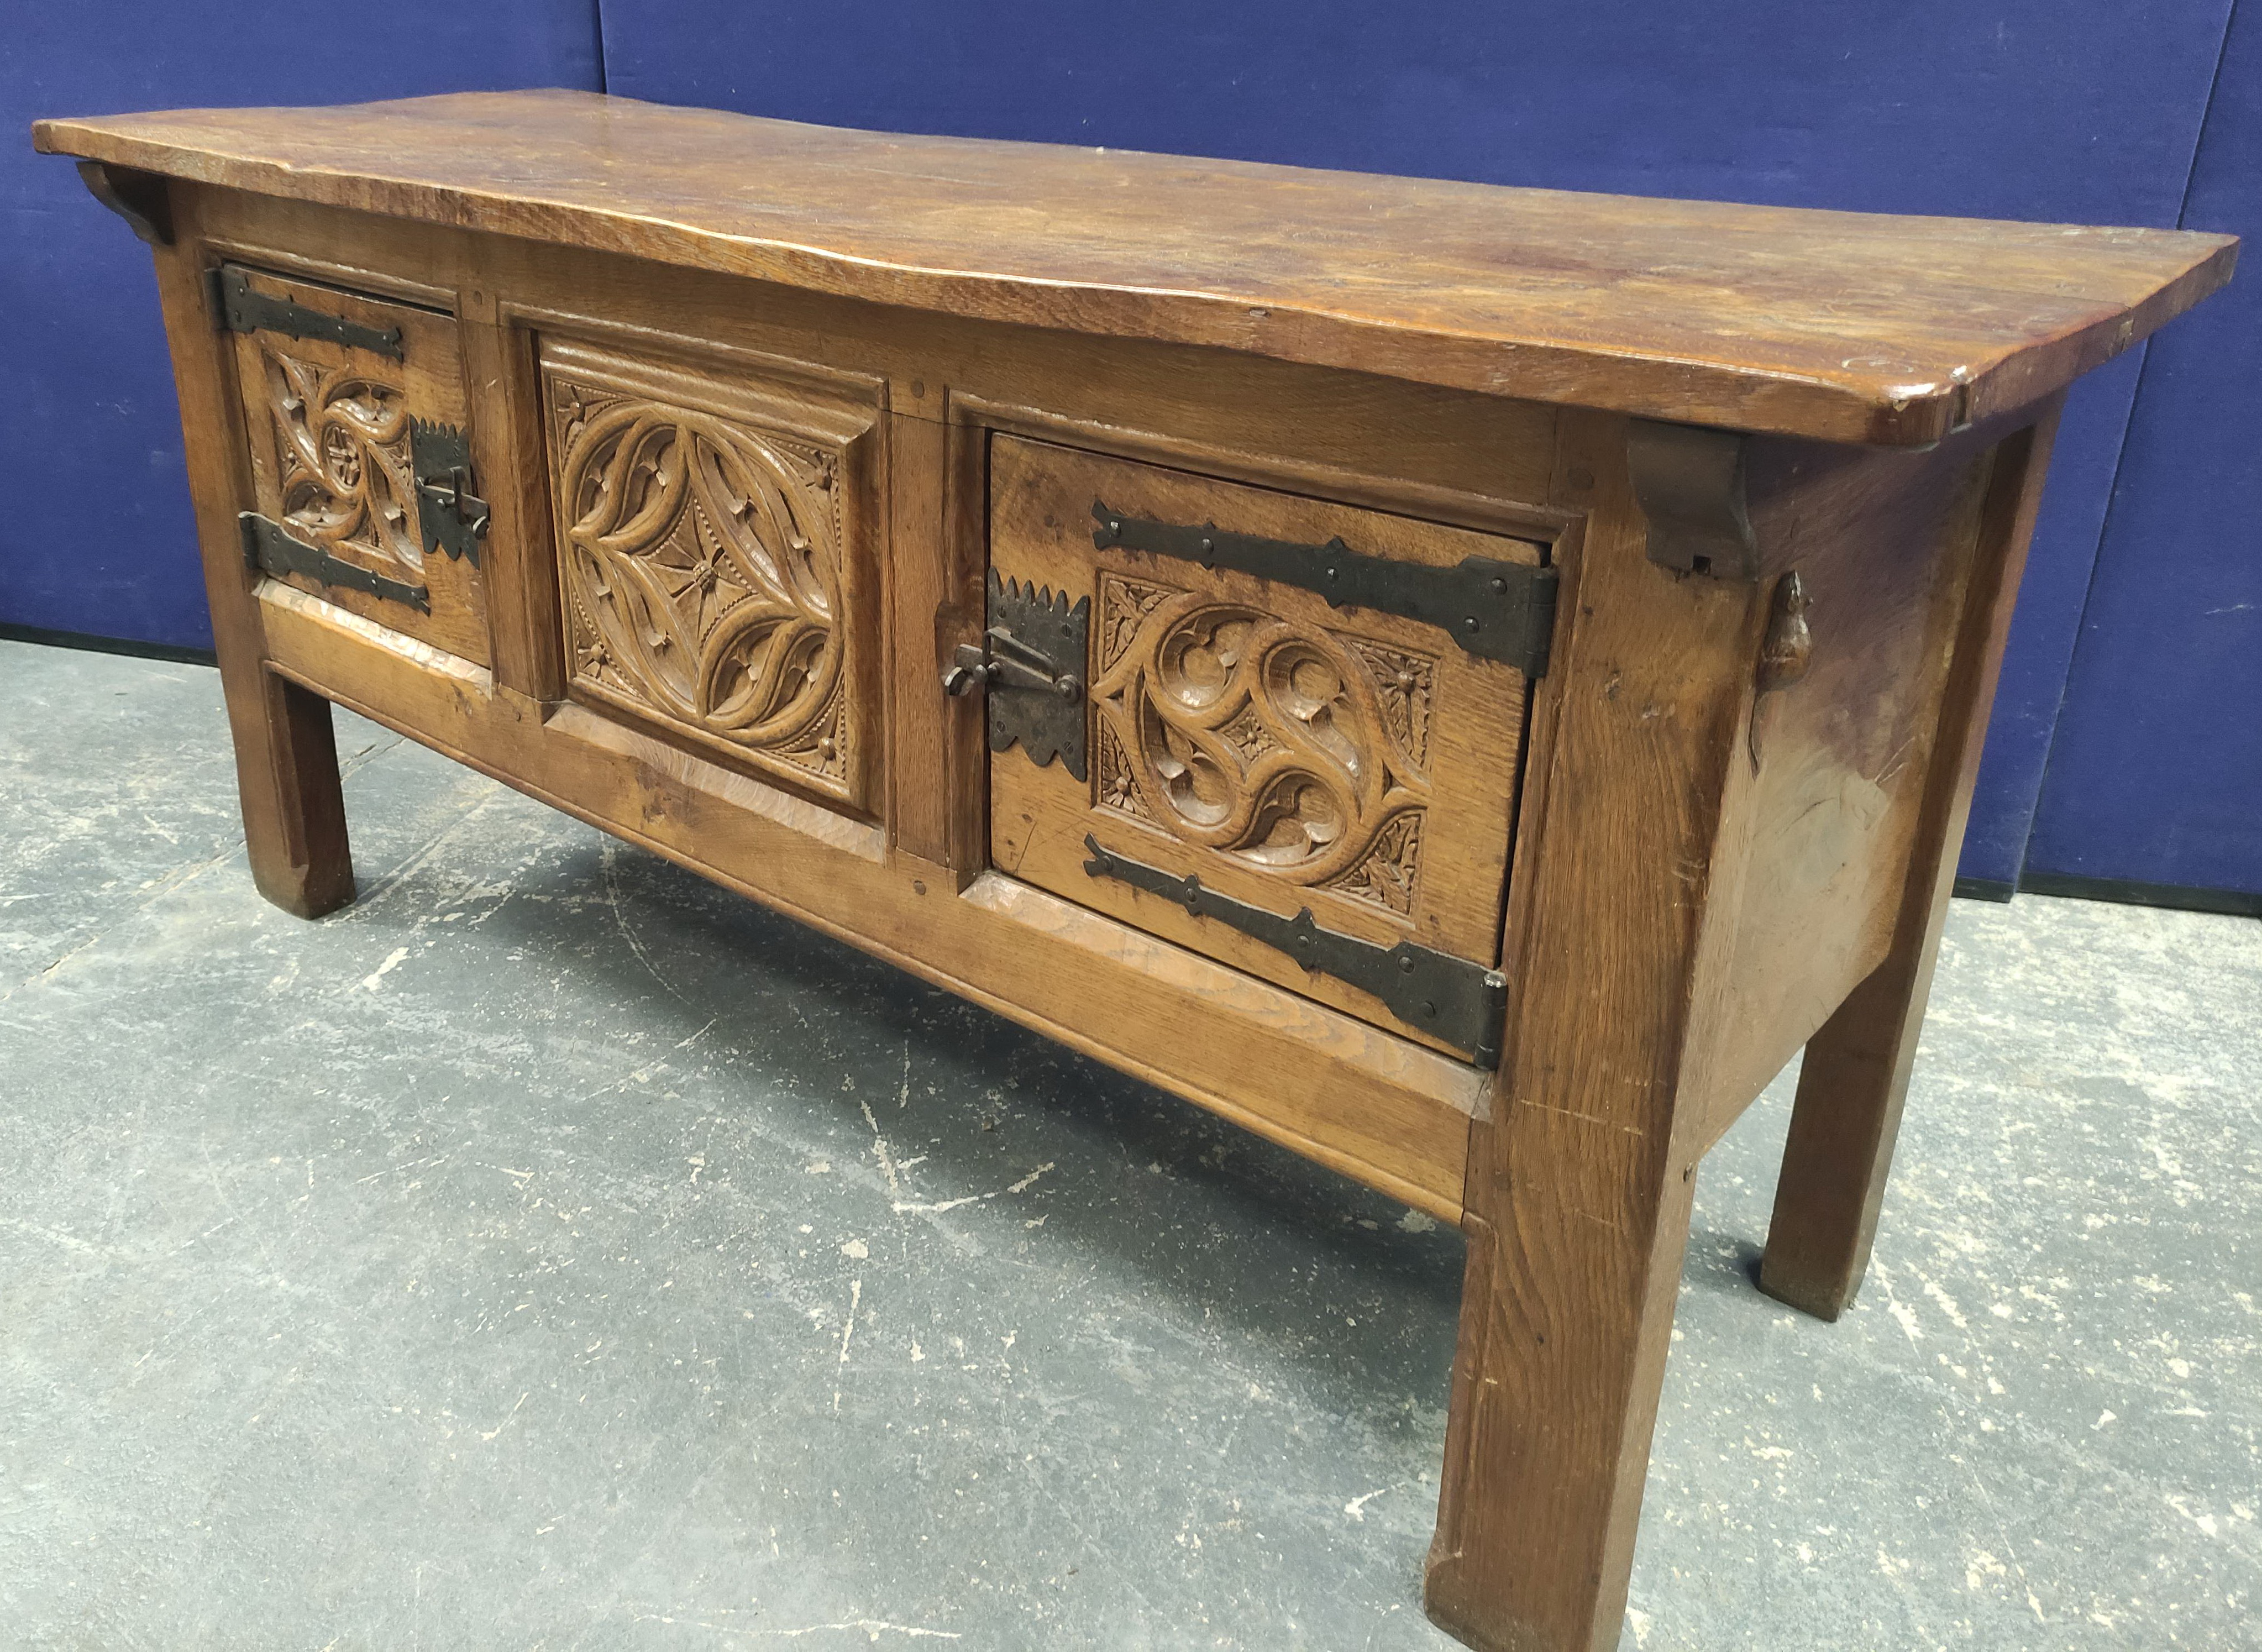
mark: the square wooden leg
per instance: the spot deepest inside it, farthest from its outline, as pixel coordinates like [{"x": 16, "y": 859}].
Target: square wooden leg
[
  {"x": 287, "y": 772},
  {"x": 1842, "y": 1128},
  {"x": 1579, "y": 1189},
  {"x": 1567, "y": 1316},
  {"x": 1856, "y": 1074},
  {"x": 286, "y": 759}
]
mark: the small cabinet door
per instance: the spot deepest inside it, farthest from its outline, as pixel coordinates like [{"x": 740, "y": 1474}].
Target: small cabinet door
[
  {"x": 349, "y": 403},
  {"x": 1349, "y": 764}
]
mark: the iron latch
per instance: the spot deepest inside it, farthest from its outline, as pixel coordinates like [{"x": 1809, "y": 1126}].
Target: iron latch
[
  {"x": 1030, "y": 664},
  {"x": 1459, "y": 1001},
  {"x": 242, "y": 308},
  {"x": 1493, "y": 609},
  {"x": 269, "y": 547},
  {"x": 451, "y": 516}
]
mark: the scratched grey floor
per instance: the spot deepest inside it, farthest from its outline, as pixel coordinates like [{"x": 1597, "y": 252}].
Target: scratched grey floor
[{"x": 552, "y": 1251}]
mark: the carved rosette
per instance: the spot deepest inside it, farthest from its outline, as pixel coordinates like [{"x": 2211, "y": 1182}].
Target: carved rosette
[
  {"x": 1291, "y": 749},
  {"x": 703, "y": 573},
  {"x": 342, "y": 446}
]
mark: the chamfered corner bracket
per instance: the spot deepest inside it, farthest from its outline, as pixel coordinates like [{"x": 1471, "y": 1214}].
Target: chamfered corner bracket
[
  {"x": 139, "y": 197},
  {"x": 1691, "y": 481}
]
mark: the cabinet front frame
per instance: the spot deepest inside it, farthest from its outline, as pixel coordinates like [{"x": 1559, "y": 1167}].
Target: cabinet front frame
[{"x": 914, "y": 886}]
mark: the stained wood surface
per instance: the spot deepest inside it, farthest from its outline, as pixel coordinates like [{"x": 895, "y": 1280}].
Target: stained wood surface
[
  {"x": 1578, "y": 1191},
  {"x": 1327, "y": 1086},
  {"x": 717, "y": 529},
  {"x": 1849, "y": 327},
  {"x": 327, "y": 431},
  {"x": 1822, "y": 812},
  {"x": 1855, "y": 1076},
  {"x": 1696, "y": 881},
  {"x": 1289, "y": 754},
  {"x": 286, "y": 766}
]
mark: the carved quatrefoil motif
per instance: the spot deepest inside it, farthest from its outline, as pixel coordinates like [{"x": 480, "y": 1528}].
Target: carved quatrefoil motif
[{"x": 702, "y": 573}]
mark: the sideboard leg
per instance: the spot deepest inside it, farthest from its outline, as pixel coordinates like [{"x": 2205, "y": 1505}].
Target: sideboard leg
[
  {"x": 1566, "y": 1317},
  {"x": 286, "y": 759},
  {"x": 1848, "y": 1112},
  {"x": 1580, "y": 1180},
  {"x": 294, "y": 811},
  {"x": 1843, "y": 1127}
]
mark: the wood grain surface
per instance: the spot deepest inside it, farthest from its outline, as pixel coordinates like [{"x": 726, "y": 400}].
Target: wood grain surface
[
  {"x": 1326, "y": 1085},
  {"x": 1855, "y": 1077},
  {"x": 1580, "y": 1185},
  {"x": 327, "y": 428},
  {"x": 1848, "y": 327},
  {"x": 1694, "y": 842},
  {"x": 286, "y": 763},
  {"x": 1287, "y": 752}
]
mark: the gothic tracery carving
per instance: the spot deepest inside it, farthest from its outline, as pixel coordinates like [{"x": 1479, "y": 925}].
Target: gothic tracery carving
[
  {"x": 703, "y": 572},
  {"x": 1290, "y": 748}
]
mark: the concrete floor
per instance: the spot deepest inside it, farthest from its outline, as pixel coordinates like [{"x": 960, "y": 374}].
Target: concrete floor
[{"x": 552, "y": 1251}]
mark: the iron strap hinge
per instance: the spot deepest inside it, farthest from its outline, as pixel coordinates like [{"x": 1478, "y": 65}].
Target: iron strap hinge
[
  {"x": 449, "y": 515},
  {"x": 1493, "y": 609},
  {"x": 269, "y": 549},
  {"x": 243, "y": 309},
  {"x": 1452, "y": 999}
]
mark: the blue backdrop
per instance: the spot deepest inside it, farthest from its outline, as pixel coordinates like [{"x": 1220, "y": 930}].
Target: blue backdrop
[
  {"x": 2072, "y": 110},
  {"x": 2155, "y": 772},
  {"x": 97, "y": 536}
]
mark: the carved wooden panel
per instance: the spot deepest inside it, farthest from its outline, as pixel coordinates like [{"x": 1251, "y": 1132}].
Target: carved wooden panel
[
  {"x": 1287, "y": 752},
  {"x": 326, "y": 426},
  {"x": 711, "y": 543},
  {"x": 342, "y": 437},
  {"x": 1294, "y": 751}
]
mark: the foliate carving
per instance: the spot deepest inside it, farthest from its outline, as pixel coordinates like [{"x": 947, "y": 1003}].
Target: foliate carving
[
  {"x": 1124, "y": 603},
  {"x": 1387, "y": 874},
  {"x": 702, "y": 573},
  {"x": 1118, "y": 783},
  {"x": 344, "y": 469},
  {"x": 1286, "y": 747},
  {"x": 1249, "y": 736},
  {"x": 1404, "y": 683}
]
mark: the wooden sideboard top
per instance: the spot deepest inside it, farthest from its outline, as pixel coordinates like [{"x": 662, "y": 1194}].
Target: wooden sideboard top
[{"x": 1843, "y": 326}]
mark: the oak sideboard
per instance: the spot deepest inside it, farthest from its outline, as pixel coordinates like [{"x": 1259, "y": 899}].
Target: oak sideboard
[{"x": 1464, "y": 682}]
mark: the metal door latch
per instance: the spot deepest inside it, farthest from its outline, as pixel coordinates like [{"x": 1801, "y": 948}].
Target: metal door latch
[
  {"x": 1030, "y": 662},
  {"x": 450, "y": 516},
  {"x": 1004, "y": 660}
]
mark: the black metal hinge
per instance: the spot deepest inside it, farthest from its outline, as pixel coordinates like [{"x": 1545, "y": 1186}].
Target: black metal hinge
[
  {"x": 269, "y": 548},
  {"x": 1493, "y": 609},
  {"x": 451, "y": 516},
  {"x": 243, "y": 309},
  {"x": 1030, "y": 663},
  {"x": 1462, "y": 1002}
]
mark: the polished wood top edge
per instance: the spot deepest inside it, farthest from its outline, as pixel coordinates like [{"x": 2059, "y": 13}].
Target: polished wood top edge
[{"x": 1415, "y": 334}]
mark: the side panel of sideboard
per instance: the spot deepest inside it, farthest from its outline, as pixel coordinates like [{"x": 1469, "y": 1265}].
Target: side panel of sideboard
[
  {"x": 1821, "y": 807},
  {"x": 1728, "y": 838}
]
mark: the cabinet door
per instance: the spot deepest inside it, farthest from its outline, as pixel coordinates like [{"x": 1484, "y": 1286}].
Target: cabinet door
[
  {"x": 1347, "y": 763},
  {"x": 348, "y": 401}
]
